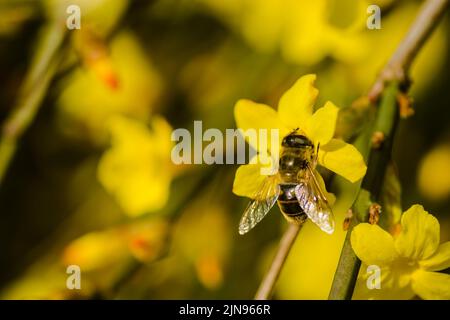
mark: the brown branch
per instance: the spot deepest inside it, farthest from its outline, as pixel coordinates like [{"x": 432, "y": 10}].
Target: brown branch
[
  {"x": 266, "y": 287},
  {"x": 398, "y": 66}
]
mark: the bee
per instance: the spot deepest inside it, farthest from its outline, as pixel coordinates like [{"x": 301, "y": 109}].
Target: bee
[{"x": 294, "y": 187}]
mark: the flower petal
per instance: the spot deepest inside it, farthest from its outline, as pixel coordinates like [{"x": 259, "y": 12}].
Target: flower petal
[
  {"x": 373, "y": 245},
  {"x": 331, "y": 198},
  {"x": 136, "y": 172},
  {"x": 440, "y": 260},
  {"x": 321, "y": 125},
  {"x": 247, "y": 180},
  {"x": 343, "y": 159},
  {"x": 431, "y": 285},
  {"x": 296, "y": 104},
  {"x": 419, "y": 238},
  {"x": 395, "y": 285},
  {"x": 256, "y": 116}
]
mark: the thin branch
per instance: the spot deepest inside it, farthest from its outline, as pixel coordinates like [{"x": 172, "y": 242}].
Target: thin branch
[
  {"x": 41, "y": 72},
  {"x": 396, "y": 69},
  {"x": 386, "y": 122},
  {"x": 266, "y": 288}
]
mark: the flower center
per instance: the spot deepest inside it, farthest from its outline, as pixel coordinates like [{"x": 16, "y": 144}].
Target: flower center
[{"x": 405, "y": 265}]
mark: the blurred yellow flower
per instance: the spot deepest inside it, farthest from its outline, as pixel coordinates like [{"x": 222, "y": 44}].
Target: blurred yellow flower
[
  {"x": 137, "y": 169},
  {"x": 382, "y": 43},
  {"x": 305, "y": 31},
  {"x": 295, "y": 110},
  {"x": 203, "y": 237},
  {"x": 408, "y": 262},
  {"x": 147, "y": 239},
  {"x": 96, "y": 250},
  {"x": 90, "y": 95},
  {"x": 44, "y": 280},
  {"x": 434, "y": 173},
  {"x": 143, "y": 240}
]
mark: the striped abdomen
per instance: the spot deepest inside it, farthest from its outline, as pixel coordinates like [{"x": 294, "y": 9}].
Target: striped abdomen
[{"x": 289, "y": 205}]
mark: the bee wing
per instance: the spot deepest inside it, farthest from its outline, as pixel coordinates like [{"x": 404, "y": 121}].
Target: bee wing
[
  {"x": 311, "y": 198},
  {"x": 262, "y": 202}
]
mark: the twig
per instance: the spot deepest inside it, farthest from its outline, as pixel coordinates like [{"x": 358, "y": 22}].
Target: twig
[
  {"x": 400, "y": 62},
  {"x": 386, "y": 121},
  {"x": 265, "y": 289},
  {"x": 32, "y": 92}
]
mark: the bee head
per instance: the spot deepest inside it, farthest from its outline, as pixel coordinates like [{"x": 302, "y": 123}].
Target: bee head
[{"x": 294, "y": 140}]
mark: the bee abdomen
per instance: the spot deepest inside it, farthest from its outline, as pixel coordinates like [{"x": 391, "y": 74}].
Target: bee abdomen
[{"x": 289, "y": 205}]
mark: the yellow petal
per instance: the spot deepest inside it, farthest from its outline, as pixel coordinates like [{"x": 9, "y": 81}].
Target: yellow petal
[
  {"x": 343, "y": 159},
  {"x": 147, "y": 238},
  {"x": 431, "y": 285},
  {"x": 331, "y": 198},
  {"x": 138, "y": 181},
  {"x": 321, "y": 125},
  {"x": 440, "y": 260},
  {"x": 247, "y": 180},
  {"x": 419, "y": 238},
  {"x": 162, "y": 132},
  {"x": 136, "y": 169},
  {"x": 296, "y": 104},
  {"x": 395, "y": 285},
  {"x": 139, "y": 86},
  {"x": 96, "y": 250},
  {"x": 256, "y": 116},
  {"x": 373, "y": 245}
]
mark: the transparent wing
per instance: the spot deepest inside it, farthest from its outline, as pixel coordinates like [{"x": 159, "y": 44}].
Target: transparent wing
[
  {"x": 261, "y": 204},
  {"x": 311, "y": 198}
]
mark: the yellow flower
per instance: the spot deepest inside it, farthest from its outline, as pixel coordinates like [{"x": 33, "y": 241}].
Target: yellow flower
[
  {"x": 305, "y": 32},
  {"x": 407, "y": 262},
  {"x": 143, "y": 240},
  {"x": 295, "y": 110},
  {"x": 96, "y": 250},
  {"x": 137, "y": 168},
  {"x": 434, "y": 173},
  {"x": 87, "y": 100}
]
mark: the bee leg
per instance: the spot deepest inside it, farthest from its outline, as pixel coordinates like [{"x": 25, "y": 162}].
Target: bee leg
[{"x": 316, "y": 156}]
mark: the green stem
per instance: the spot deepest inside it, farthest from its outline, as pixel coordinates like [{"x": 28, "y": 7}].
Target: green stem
[
  {"x": 33, "y": 90},
  {"x": 386, "y": 121}
]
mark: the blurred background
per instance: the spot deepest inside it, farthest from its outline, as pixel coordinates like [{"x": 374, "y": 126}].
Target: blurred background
[{"x": 91, "y": 181}]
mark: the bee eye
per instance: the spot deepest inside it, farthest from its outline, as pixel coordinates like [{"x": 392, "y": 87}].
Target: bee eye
[{"x": 296, "y": 141}]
